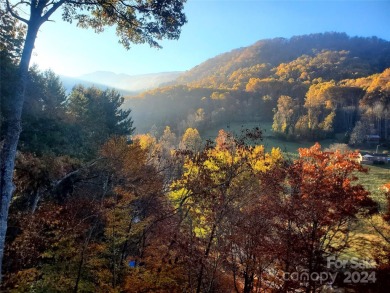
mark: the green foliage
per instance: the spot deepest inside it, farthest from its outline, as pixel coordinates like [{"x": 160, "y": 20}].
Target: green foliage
[
  {"x": 76, "y": 125},
  {"x": 44, "y": 117},
  {"x": 11, "y": 40},
  {"x": 11, "y": 36},
  {"x": 98, "y": 115},
  {"x": 136, "y": 22},
  {"x": 99, "y": 112}
]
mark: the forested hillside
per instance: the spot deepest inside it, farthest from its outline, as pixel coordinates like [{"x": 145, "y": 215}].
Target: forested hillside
[
  {"x": 311, "y": 87},
  {"x": 361, "y": 56}
]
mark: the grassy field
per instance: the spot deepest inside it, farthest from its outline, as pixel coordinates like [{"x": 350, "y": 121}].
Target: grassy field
[
  {"x": 376, "y": 177},
  {"x": 269, "y": 139}
]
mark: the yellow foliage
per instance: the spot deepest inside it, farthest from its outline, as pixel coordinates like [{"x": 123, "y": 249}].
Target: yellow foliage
[
  {"x": 146, "y": 141},
  {"x": 268, "y": 159},
  {"x": 208, "y": 183},
  {"x": 191, "y": 140}
]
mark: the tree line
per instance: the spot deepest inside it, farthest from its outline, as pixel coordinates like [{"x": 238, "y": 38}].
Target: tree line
[{"x": 355, "y": 107}]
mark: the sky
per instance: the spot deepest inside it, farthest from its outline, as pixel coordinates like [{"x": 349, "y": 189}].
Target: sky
[{"x": 214, "y": 27}]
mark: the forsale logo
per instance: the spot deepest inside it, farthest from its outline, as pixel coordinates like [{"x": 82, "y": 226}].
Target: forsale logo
[
  {"x": 354, "y": 270},
  {"x": 353, "y": 263},
  {"x": 304, "y": 277}
]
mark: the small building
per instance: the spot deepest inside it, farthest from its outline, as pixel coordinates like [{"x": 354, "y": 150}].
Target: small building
[{"x": 370, "y": 159}]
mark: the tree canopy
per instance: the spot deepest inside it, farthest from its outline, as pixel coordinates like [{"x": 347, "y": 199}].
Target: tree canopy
[{"x": 135, "y": 21}]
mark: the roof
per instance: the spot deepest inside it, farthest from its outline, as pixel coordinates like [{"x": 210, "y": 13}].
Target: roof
[
  {"x": 379, "y": 155},
  {"x": 367, "y": 155}
]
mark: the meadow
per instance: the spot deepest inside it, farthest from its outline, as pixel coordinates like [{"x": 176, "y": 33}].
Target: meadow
[{"x": 376, "y": 176}]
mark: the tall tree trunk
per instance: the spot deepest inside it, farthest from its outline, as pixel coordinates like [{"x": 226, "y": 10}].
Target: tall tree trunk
[
  {"x": 248, "y": 282},
  {"x": 12, "y": 133},
  {"x": 206, "y": 254},
  {"x": 386, "y": 125},
  {"x": 82, "y": 258}
]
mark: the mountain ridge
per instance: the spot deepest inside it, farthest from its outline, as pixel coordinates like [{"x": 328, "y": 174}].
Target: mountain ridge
[
  {"x": 124, "y": 83},
  {"x": 269, "y": 53}
]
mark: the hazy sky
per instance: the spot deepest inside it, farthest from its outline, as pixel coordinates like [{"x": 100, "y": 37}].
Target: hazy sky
[{"x": 214, "y": 27}]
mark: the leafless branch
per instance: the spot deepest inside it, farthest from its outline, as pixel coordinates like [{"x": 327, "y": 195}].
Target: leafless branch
[
  {"x": 90, "y": 164},
  {"x": 55, "y": 6},
  {"x": 13, "y": 13},
  {"x": 387, "y": 239}
]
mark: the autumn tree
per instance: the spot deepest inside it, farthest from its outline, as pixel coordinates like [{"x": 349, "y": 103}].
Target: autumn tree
[
  {"x": 321, "y": 201},
  {"x": 91, "y": 234},
  {"x": 49, "y": 247},
  {"x": 284, "y": 119},
  {"x": 168, "y": 141},
  {"x": 211, "y": 196},
  {"x": 136, "y": 250},
  {"x": 328, "y": 65},
  {"x": 162, "y": 152},
  {"x": 251, "y": 245},
  {"x": 135, "y": 21},
  {"x": 362, "y": 129},
  {"x": 318, "y": 121},
  {"x": 191, "y": 140},
  {"x": 41, "y": 177}
]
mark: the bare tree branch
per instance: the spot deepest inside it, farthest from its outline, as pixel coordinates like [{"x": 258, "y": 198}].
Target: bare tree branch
[
  {"x": 55, "y": 6},
  {"x": 13, "y": 13},
  {"x": 387, "y": 239},
  {"x": 88, "y": 165}
]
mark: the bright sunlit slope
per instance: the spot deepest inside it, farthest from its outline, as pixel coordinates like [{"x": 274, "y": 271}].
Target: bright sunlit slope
[
  {"x": 245, "y": 84},
  {"x": 233, "y": 69}
]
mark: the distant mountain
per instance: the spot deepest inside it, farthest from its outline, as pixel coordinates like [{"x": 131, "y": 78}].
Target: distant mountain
[
  {"x": 134, "y": 83},
  {"x": 126, "y": 84},
  {"x": 70, "y": 82}
]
